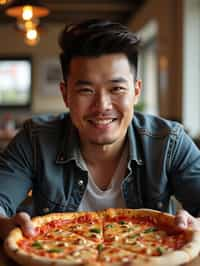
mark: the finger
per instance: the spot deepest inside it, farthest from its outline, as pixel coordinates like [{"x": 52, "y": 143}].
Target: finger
[
  {"x": 185, "y": 220},
  {"x": 24, "y": 221},
  {"x": 182, "y": 219}
]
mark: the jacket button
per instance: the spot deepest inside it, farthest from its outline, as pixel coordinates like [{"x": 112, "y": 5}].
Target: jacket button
[
  {"x": 80, "y": 183},
  {"x": 46, "y": 210},
  {"x": 160, "y": 205},
  {"x": 140, "y": 162}
]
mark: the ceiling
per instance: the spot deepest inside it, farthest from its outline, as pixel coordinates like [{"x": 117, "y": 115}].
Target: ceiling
[{"x": 73, "y": 11}]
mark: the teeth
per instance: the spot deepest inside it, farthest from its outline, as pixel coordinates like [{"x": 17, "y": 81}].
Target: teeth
[{"x": 103, "y": 122}]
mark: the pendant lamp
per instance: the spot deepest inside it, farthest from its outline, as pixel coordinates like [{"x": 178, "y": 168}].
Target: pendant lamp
[{"x": 27, "y": 9}]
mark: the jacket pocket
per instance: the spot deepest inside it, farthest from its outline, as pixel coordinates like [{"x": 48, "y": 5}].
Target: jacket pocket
[
  {"x": 44, "y": 205},
  {"x": 160, "y": 202}
]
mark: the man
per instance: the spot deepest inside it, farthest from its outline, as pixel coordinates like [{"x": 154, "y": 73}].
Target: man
[{"x": 102, "y": 154}]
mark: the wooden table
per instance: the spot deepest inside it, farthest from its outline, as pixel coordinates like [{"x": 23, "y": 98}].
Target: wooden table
[{"x": 5, "y": 261}]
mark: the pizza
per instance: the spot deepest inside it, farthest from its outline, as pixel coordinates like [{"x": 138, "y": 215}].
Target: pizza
[{"x": 129, "y": 237}]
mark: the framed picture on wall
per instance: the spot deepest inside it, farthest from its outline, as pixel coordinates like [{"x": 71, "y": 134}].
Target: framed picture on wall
[{"x": 50, "y": 76}]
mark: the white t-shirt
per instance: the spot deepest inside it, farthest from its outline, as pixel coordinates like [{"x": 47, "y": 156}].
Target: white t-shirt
[{"x": 96, "y": 199}]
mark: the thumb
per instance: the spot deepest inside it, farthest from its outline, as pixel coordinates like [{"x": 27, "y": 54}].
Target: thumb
[
  {"x": 181, "y": 219},
  {"x": 184, "y": 220},
  {"x": 24, "y": 221}
]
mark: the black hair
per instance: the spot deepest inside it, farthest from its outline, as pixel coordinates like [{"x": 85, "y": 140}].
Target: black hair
[{"x": 95, "y": 38}]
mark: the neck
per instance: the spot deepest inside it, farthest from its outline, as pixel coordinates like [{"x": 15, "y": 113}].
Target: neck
[{"x": 93, "y": 153}]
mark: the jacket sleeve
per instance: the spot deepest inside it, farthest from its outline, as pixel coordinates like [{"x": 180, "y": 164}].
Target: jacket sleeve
[
  {"x": 16, "y": 172},
  {"x": 184, "y": 168},
  {"x": 2, "y": 211}
]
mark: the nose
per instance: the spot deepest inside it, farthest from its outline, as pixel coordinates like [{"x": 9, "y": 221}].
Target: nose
[{"x": 102, "y": 101}]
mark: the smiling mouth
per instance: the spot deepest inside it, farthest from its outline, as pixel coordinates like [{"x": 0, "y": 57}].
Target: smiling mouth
[{"x": 102, "y": 122}]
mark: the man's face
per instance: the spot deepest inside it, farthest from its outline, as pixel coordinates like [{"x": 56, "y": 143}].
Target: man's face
[{"x": 100, "y": 93}]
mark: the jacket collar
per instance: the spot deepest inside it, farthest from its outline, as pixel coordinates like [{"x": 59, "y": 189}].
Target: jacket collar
[
  {"x": 69, "y": 144},
  {"x": 135, "y": 153}
]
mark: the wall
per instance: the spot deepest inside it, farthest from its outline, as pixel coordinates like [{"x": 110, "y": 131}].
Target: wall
[
  {"x": 12, "y": 44},
  {"x": 168, "y": 15}
]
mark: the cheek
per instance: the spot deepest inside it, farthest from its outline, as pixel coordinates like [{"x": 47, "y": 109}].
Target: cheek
[
  {"x": 126, "y": 104},
  {"x": 79, "y": 106}
]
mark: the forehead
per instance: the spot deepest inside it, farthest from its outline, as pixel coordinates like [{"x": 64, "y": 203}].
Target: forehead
[{"x": 105, "y": 66}]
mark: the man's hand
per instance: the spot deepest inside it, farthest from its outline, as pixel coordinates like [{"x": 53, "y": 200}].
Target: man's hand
[
  {"x": 185, "y": 220},
  {"x": 21, "y": 219}
]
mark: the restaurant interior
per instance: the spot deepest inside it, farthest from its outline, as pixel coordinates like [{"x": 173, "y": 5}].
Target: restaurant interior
[
  {"x": 169, "y": 63},
  {"x": 169, "y": 58}
]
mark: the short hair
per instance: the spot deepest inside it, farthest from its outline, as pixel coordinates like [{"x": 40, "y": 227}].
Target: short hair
[{"x": 94, "y": 38}]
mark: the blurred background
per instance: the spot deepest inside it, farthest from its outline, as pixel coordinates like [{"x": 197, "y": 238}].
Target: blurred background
[{"x": 169, "y": 61}]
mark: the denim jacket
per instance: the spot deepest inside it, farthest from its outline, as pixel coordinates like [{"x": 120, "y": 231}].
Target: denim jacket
[{"x": 163, "y": 161}]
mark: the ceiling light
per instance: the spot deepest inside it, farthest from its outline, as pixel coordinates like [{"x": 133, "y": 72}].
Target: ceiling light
[
  {"x": 27, "y": 13},
  {"x": 31, "y": 37},
  {"x": 23, "y": 25},
  {"x": 5, "y": 2},
  {"x": 27, "y": 9}
]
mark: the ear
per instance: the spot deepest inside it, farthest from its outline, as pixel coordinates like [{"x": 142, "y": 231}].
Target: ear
[
  {"x": 137, "y": 90},
  {"x": 63, "y": 90}
]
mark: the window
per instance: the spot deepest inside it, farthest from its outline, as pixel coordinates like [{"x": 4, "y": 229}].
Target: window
[
  {"x": 15, "y": 85},
  {"x": 148, "y": 69},
  {"x": 191, "y": 67}
]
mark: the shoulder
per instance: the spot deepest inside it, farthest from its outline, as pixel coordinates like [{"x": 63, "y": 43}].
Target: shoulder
[
  {"x": 155, "y": 125},
  {"x": 48, "y": 127},
  {"x": 47, "y": 122}
]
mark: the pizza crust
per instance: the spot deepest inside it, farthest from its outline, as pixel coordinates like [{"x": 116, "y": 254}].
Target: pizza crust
[{"x": 189, "y": 251}]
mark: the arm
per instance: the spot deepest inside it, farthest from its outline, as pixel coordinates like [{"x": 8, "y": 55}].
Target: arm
[
  {"x": 15, "y": 181},
  {"x": 185, "y": 180},
  {"x": 184, "y": 173},
  {"x": 16, "y": 177},
  {"x": 16, "y": 172}
]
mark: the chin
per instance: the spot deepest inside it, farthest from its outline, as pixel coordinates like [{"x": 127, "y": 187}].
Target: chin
[{"x": 103, "y": 141}]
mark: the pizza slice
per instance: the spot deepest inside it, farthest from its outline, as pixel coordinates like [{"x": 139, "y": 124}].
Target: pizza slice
[
  {"x": 54, "y": 243},
  {"x": 153, "y": 236},
  {"x": 110, "y": 255},
  {"x": 62, "y": 251},
  {"x": 88, "y": 225},
  {"x": 119, "y": 227}
]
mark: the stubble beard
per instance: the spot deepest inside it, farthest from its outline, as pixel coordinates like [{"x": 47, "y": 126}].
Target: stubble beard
[{"x": 102, "y": 143}]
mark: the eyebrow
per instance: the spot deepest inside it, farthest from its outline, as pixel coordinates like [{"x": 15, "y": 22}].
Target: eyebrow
[
  {"x": 88, "y": 83},
  {"x": 83, "y": 82},
  {"x": 118, "y": 80}
]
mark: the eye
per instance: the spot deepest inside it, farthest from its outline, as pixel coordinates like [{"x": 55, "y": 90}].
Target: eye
[
  {"x": 118, "y": 89},
  {"x": 85, "y": 91}
]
